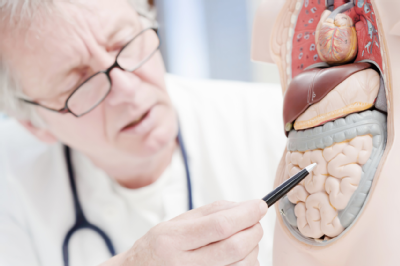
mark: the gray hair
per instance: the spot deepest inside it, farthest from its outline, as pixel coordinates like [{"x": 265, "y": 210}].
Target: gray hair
[{"x": 10, "y": 91}]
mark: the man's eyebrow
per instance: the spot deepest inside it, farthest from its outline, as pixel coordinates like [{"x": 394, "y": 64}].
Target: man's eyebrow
[
  {"x": 69, "y": 88},
  {"x": 122, "y": 23}
]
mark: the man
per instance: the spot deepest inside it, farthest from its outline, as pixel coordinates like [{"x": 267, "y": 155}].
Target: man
[{"x": 88, "y": 75}]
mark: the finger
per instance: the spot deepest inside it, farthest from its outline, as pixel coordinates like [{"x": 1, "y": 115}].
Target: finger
[
  {"x": 251, "y": 259},
  {"x": 207, "y": 210},
  {"x": 218, "y": 226},
  {"x": 231, "y": 250}
]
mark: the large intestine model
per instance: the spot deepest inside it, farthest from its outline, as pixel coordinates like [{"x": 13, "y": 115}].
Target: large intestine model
[{"x": 336, "y": 60}]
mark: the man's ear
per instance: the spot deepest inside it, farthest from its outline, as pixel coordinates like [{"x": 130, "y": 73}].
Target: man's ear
[{"x": 41, "y": 133}]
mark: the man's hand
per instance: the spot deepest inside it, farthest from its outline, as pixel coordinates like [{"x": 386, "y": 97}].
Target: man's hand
[{"x": 222, "y": 233}]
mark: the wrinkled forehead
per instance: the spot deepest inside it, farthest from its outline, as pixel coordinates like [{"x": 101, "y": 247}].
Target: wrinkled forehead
[
  {"x": 42, "y": 50},
  {"x": 54, "y": 24}
]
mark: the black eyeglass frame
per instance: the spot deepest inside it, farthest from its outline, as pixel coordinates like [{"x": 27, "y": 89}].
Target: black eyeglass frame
[{"x": 66, "y": 110}]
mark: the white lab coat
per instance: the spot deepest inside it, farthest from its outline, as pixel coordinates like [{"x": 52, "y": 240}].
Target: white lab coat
[{"x": 234, "y": 140}]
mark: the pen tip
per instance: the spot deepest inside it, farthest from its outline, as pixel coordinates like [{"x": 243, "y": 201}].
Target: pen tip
[{"x": 311, "y": 167}]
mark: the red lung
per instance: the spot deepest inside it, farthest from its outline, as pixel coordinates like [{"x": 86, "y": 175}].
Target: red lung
[
  {"x": 304, "y": 51},
  {"x": 369, "y": 44}
]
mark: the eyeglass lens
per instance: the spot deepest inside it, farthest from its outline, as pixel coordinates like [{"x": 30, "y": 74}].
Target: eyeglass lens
[
  {"x": 138, "y": 50},
  {"x": 89, "y": 94}
]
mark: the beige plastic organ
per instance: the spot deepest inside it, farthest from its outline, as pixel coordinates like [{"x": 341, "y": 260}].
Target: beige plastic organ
[
  {"x": 329, "y": 187},
  {"x": 356, "y": 93},
  {"x": 346, "y": 212}
]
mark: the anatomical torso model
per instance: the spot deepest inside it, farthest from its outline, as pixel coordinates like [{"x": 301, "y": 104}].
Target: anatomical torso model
[{"x": 339, "y": 67}]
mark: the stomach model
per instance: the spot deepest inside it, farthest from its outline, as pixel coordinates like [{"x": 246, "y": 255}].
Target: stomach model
[{"x": 335, "y": 116}]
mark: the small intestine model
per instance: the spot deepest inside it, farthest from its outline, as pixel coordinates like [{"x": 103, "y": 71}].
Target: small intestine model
[{"x": 337, "y": 61}]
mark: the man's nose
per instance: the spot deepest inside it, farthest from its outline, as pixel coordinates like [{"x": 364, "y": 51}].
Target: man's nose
[{"x": 124, "y": 86}]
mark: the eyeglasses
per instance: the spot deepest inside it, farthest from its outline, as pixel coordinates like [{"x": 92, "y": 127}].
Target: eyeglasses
[{"x": 95, "y": 89}]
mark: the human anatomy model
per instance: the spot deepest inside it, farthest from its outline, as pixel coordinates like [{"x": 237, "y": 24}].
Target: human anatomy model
[{"x": 340, "y": 68}]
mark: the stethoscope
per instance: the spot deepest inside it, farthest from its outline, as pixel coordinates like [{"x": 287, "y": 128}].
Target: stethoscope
[{"x": 81, "y": 221}]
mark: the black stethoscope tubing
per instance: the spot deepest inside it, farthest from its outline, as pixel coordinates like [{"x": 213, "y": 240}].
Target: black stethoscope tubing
[{"x": 80, "y": 220}]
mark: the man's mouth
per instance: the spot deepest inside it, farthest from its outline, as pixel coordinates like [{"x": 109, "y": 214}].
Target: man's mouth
[{"x": 138, "y": 121}]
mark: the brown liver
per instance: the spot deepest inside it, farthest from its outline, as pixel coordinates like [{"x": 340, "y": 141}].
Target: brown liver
[{"x": 312, "y": 86}]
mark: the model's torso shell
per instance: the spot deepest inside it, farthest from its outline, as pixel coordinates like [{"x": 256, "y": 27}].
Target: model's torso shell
[{"x": 372, "y": 239}]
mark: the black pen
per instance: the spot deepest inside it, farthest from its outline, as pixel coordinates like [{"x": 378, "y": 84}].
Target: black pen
[{"x": 286, "y": 186}]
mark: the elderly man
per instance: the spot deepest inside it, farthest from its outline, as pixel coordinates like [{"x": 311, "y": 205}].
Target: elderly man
[{"x": 109, "y": 156}]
